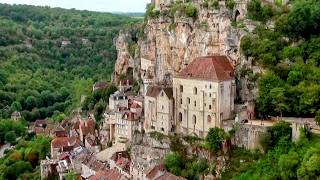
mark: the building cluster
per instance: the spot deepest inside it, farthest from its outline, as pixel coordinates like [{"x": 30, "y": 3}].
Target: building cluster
[{"x": 199, "y": 97}]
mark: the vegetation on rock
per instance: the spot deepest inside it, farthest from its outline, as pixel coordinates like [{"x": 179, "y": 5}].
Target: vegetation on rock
[{"x": 289, "y": 52}]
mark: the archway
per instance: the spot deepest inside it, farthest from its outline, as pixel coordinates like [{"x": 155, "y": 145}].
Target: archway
[{"x": 236, "y": 15}]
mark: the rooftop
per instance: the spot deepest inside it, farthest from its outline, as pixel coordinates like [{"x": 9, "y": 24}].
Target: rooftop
[{"x": 212, "y": 68}]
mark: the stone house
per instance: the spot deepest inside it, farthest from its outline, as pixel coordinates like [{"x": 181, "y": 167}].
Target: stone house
[
  {"x": 117, "y": 100},
  {"x": 16, "y": 116},
  {"x": 159, "y": 111},
  {"x": 61, "y": 145},
  {"x": 126, "y": 126},
  {"x": 90, "y": 166},
  {"x": 121, "y": 161},
  {"x": 204, "y": 93}
]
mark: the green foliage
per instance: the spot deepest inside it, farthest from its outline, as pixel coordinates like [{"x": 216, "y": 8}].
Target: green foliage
[
  {"x": 298, "y": 161},
  {"x": 230, "y": 4},
  {"x": 10, "y": 130},
  {"x": 214, "y": 139},
  {"x": 24, "y": 158},
  {"x": 291, "y": 85},
  {"x": 174, "y": 163},
  {"x": 183, "y": 9},
  {"x": 212, "y": 4},
  {"x": 258, "y": 12},
  {"x": 98, "y": 100},
  {"x": 50, "y": 57},
  {"x": 70, "y": 176}
]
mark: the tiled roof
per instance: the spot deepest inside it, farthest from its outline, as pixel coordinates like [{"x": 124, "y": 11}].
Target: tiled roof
[
  {"x": 213, "y": 68},
  {"x": 155, "y": 171},
  {"x": 60, "y": 142},
  {"x": 40, "y": 122},
  {"x": 169, "y": 176},
  {"x": 39, "y": 130},
  {"x": 153, "y": 91},
  {"x": 109, "y": 174}
]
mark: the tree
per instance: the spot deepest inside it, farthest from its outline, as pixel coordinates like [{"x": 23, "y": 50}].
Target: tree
[
  {"x": 279, "y": 100},
  {"x": 70, "y": 176},
  {"x": 288, "y": 165},
  {"x": 317, "y": 118},
  {"x": 214, "y": 139},
  {"x": 174, "y": 163},
  {"x": 10, "y": 137}
]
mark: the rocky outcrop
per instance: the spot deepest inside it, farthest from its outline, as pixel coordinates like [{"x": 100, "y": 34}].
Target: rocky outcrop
[{"x": 172, "y": 43}]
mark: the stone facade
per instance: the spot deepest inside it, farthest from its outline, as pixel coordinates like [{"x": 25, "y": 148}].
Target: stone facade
[
  {"x": 117, "y": 100},
  {"x": 159, "y": 110},
  {"x": 201, "y": 104}
]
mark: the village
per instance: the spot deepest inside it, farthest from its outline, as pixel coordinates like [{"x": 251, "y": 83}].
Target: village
[
  {"x": 200, "y": 97},
  {"x": 125, "y": 144}
]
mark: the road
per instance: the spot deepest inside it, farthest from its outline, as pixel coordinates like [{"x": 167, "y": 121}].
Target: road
[{"x": 3, "y": 149}]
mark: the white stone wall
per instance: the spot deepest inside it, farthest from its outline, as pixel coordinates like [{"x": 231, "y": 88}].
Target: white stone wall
[
  {"x": 203, "y": 109},
  {"x": 159, "y": 114}
]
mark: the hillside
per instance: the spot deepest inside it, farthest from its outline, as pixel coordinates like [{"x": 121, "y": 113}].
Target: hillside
[{"x": 49, "y": 57}]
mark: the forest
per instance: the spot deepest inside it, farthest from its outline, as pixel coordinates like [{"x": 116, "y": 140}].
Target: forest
[
  {"x": 286, "y": 45},
  {"x": 49, "y": 57}
]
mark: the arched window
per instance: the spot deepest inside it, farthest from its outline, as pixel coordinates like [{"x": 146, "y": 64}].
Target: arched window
[
  {"x": 194, "y": 119},
  {"x": 195, "y": 91},
  {"x": 188, "y": 100},
  {"x": 180, "y": 117},
  {"x": 209, "y": 119},
  {"x": 195, "y": 103}
]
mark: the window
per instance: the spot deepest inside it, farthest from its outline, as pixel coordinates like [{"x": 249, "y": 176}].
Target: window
[
  {"x": 180, "y": 101},
  {"x": 188, "y": 100},
  {"x": 195, "y": 91},
  {"x": 210, "y": 86},
  {"x": 162, "y": 94},
  {"x": 194, "y": 118},
  {"x": 162, "y": 107},
  {"x": 162, "y": 129},
  {"x": 210, "y": 107},
  {"x": 181, "y": 88},
  {"x": 209, "y": 119},
  {"x": 195, "y": 103},
  {"x": 180, "y": 117}
]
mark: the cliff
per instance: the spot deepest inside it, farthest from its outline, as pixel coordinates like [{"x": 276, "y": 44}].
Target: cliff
[{"x": 172, "y": 38}]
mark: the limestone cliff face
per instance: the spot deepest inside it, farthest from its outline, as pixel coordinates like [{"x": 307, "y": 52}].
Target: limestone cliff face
[{"x": 169, "y": 44}]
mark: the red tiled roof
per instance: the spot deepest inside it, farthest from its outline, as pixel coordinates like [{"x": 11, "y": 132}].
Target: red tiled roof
[
  {"x": 109, "y": 174},
  {"x": 39, "y": 130},
  {"x": 155, "y": 171},
  {"x": 213, "y": 68},
  {"x": 169, "y": 176},
  {"x": 60, "y": 142},
  {"x": 40, "y": 122},
  {"x": 135, "y": 105}
]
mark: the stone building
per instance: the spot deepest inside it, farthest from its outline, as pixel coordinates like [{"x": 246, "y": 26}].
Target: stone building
[
  {"x": 117, "y": 100},
  {"x": 204, "y": 93},
  {"x": 122, "y": 124},
  {"x": 159, "y": 110}
]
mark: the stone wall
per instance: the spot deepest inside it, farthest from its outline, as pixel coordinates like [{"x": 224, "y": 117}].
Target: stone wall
[{"x": 247, "y": 136}]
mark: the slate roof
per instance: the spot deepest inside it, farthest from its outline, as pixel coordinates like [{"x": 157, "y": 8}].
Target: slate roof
[{"x": 212, "y": 68}]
